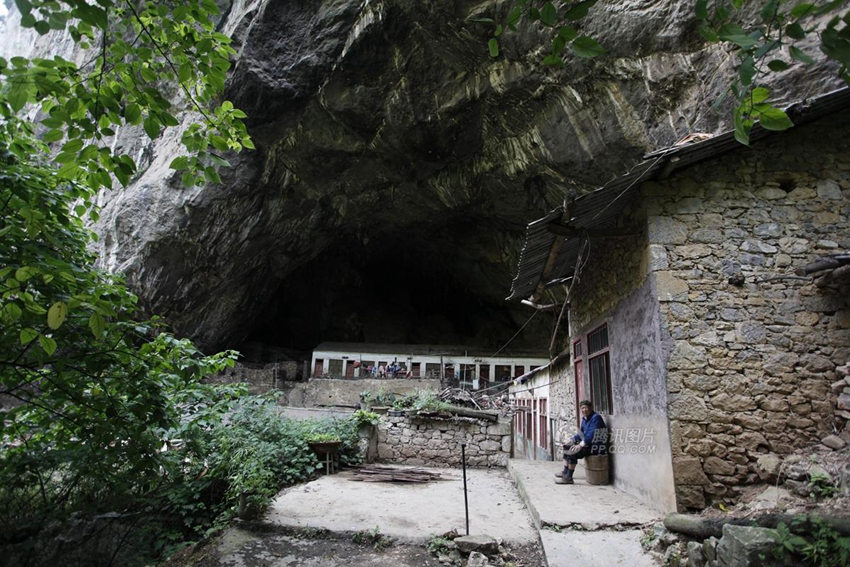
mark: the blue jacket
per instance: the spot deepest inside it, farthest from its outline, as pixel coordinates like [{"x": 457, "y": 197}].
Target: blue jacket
[{"x": 591, "y": 427}]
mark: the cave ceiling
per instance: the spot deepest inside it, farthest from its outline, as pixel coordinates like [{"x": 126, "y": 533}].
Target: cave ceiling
[{"x": 397, "y": 165}]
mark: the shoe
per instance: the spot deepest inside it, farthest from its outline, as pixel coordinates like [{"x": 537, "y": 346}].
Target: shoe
[
  {"x": 559, "y": 475},
  {"x": 563, "y": 480}
]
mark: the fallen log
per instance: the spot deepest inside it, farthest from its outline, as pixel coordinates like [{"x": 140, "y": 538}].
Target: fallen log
[
  {"x": 480, "y": 414},
  {"x": 704, "y": 528}
]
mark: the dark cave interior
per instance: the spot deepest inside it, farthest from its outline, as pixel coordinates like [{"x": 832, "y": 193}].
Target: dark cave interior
[{"x": 421, "y": 285}]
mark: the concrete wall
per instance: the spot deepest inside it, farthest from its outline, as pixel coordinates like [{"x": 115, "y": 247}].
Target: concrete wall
[
  {"x": 614, "y": 288},
  {"x": 641, "y": 457},
  {"x": 752, "y": 362},
  {"x": 437, "y": 442}
]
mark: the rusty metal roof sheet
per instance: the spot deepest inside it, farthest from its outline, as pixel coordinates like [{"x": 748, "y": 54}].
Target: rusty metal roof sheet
[{"x": 600, "y": 209}]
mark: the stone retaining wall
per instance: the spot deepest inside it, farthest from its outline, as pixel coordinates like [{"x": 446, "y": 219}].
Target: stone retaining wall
[
  {"x": 261, "y": 378},
  {"x": 413, "y": 440},
  {"x": 317, "y": 392}
]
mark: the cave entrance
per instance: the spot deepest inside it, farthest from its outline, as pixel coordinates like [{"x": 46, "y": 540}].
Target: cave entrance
[{"x": 411, "y": 286}]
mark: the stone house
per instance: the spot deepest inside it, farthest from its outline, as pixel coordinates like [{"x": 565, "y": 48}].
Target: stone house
[{"x": 690, "y": 326}]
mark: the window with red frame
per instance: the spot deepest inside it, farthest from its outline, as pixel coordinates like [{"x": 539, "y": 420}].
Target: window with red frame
[
  {"x": 599, "y": 369},
  {"x": 543, "y": 422},
  {"x": 594, "y": 361}
]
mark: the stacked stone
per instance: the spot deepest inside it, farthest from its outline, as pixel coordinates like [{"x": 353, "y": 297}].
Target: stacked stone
[
  {"x": 414, "y": 440},
  {"x": 754, "y": 349},
  {"x": 841, "y": 390}
]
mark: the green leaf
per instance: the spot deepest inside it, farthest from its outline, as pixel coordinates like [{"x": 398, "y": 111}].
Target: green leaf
[
  {"x": 24, "y": 6},
  {"x": 548, "y": 14},
  {"x": 73, "y": 146},
  {"x": 778, "y": 65},
  {"x": 513, "y": 17},
  {"x": 553, "y": 60},
  {"x": 211, "y": 175},
  {"x": 180, "y": 162},
  {"x": 768, "y": 12},
  {"x": 735, "y": 34},
  {"x": 800, "y": 55},
  {"x": 11, "y": 313},
  {"x": 742, "y": 128},
  {"x": 795, "y": 31},
  {"x": 132, "y": 114},
  {"x": 47, "y": 344},
  {"x": 747, "y": 71},
  {"x": 28, "y": 335},
  {"x": 759, "y": 95},
  {"x": 92, "y": 15},
  {"x": 97, "y": 325},
  {"x": 56, "y": 314},
  {"x": 585, "y": 46},
  {"x": 701, "y": 9},
  {"x": 151, "y": 127},
  {"x": 709, "y": 33},
  {"x": 801, "y": 9},
  {"x": 493, "y": 46},
  {"x": 567, "y": 33},
  {"x": 24, "y": 273},
  {"x": 218, "y": 142},
  {"x": 53, "y": 135},
  {"x": 18, "y": 96},
  {"x": 773, "y": 118},
  {"x": 579, "y": 11}
]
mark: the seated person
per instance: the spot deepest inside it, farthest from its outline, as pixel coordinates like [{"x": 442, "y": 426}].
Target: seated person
[{"x": 593, "y": 440}]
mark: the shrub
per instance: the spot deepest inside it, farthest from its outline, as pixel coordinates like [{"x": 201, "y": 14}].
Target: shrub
[{"x": 812, "y": 542}]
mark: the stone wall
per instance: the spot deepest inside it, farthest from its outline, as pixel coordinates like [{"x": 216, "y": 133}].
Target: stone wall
[
  {"x": 754, "y": 347},
  {"x": 345, "y": 392},
  {"x": 318, "y": 392},
  {"x": 413, "y": 440},
  {"x": 562, "y": 407},
  {"x": 261, "y": 378}
]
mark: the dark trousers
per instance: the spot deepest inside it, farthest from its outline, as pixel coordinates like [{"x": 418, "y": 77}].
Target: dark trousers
[{"x": 573, "y": 459}]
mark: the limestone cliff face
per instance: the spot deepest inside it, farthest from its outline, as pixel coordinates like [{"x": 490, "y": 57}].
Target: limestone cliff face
[{"x": 397, "y": 165}]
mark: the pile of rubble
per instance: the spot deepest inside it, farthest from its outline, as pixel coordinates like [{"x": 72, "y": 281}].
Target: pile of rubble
[
  {"x": 478, "y": 399},
  {"x": 481, "y": 551}
]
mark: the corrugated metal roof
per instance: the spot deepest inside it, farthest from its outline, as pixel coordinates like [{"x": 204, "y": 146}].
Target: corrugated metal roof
[{"x": 600, "y": 209}]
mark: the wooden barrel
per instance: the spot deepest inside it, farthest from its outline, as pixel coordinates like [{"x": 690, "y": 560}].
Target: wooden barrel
[{"x": 597, "y": 469}]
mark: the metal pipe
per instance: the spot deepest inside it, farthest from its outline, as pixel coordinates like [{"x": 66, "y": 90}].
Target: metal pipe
[{"x": 465, "y": 499}]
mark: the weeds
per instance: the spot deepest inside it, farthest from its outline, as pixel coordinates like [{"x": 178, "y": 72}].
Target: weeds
[
  {"x": 439, "y": 545},
  {"x": 821, "y": 485},
  {"x": 373, "y": 537}
]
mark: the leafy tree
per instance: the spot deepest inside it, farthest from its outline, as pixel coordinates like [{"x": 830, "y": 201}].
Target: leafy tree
[
  {"x": 142, "y": 55},
  {"x": 91, "y": 392},
  {"x": 761, "y": 43},
  {"x": 94, "y": 389}
]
